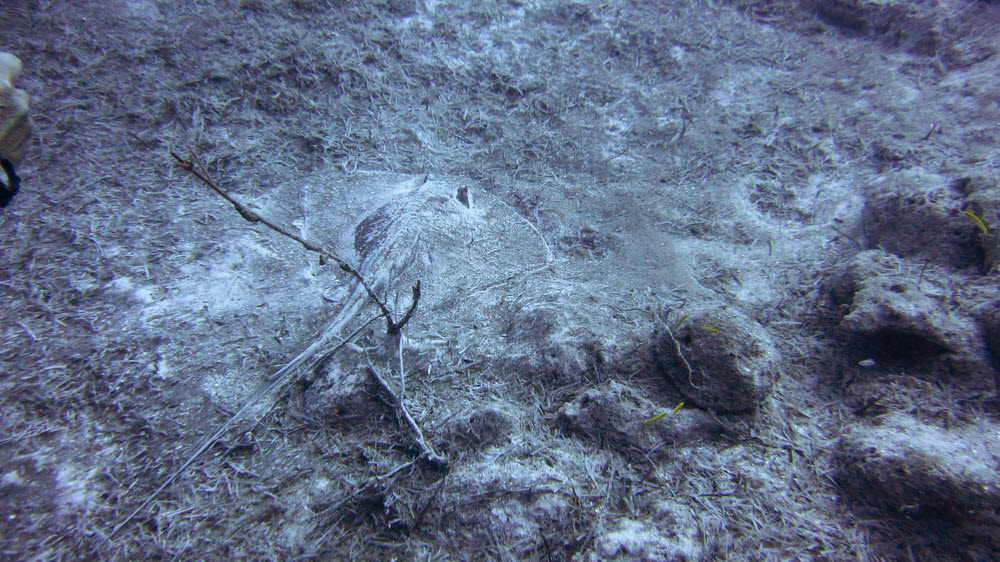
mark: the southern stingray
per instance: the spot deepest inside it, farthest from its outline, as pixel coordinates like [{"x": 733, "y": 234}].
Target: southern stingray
[{"x": 456, "y": 239}]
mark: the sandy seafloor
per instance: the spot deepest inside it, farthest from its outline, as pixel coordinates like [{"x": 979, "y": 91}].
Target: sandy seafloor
[{"x": 699, "y": 281}]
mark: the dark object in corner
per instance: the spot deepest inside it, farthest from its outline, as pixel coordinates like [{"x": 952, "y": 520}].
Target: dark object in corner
[
  {"x": 463, "y": 196},
  {"x": 8, "y": 189}
]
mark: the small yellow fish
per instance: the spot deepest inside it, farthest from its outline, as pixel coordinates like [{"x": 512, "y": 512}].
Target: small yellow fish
[
  {"x": 711, "y": 329},
  {"x": 656, "y": 418},
  {"x": 681, "y": 321},
  {"x": 662, "y": 415},
  {"x": 979, "y": 222}
]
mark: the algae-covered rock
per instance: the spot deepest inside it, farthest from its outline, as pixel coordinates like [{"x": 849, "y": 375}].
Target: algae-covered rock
[
  {"x": 720, "y": 359},
  {"x": 945, "y": 480},
  {"x": 890, "y": 318},
  {"x": 913, "y": 213},
  {"x": 619, "y": 416}
]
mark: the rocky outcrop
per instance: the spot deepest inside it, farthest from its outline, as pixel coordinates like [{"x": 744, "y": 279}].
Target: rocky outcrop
[
  {"x": 946, "y": 481},
  {"x": 721, "y": 360},
  {"x": 622, "y": 418}
]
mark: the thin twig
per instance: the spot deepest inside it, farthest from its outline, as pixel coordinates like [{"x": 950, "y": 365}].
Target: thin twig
[
  {"x": 394, "y": 328},
  {"x": 402, "y": 371},
  {"x": 418, "y": 520},
  {"x": 401, "y": 412},
  {"x": 677, "y": 350}
]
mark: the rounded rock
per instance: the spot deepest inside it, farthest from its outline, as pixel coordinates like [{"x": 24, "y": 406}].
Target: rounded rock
[{"x": 720, "y": 359}]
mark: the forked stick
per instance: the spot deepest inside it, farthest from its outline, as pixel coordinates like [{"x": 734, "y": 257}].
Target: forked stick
[{"x": 397, "y": 403}]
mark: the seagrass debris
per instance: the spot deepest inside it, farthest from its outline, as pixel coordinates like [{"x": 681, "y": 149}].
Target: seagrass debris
[
  {"x": 396, "y": 400},
  {"x": 273, "y": 388}
]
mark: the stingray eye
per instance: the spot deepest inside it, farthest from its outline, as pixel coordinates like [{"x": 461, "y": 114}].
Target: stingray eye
[{"x": 463, "y": 196}]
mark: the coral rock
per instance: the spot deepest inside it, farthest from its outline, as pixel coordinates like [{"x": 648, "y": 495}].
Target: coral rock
[{"x": 733, "y": 361}]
